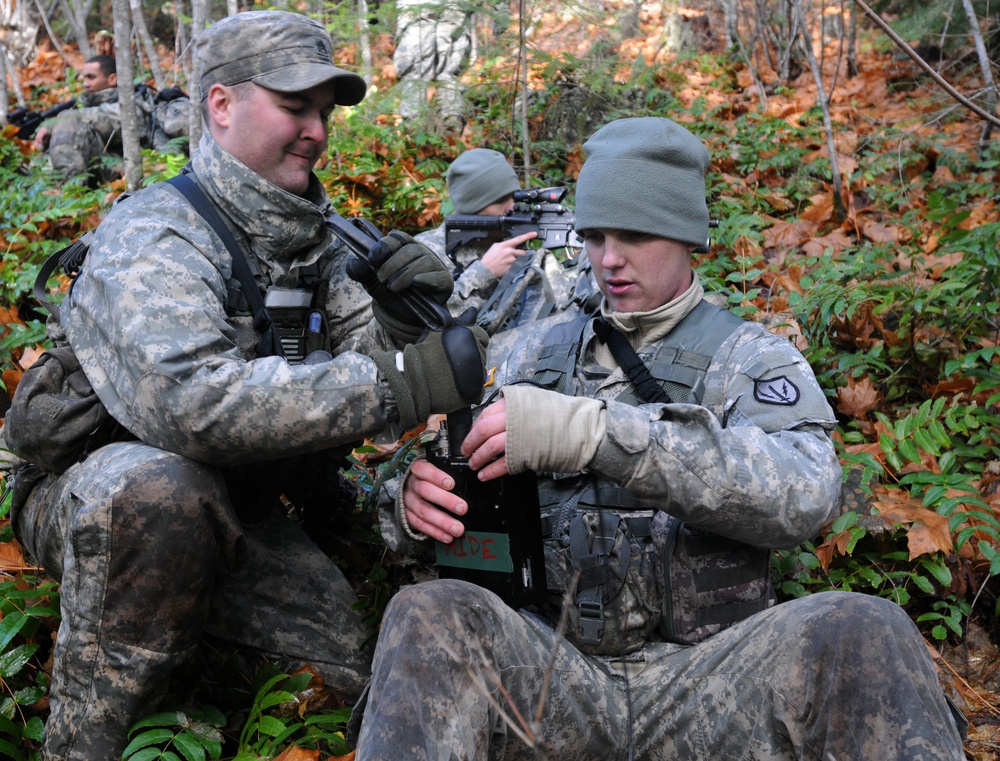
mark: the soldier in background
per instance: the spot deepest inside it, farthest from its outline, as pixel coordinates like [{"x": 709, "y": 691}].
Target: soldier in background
[
  {"x": 99, "y": 74},
  {"x": 433, "y": 38},
  {"x": 75, "y": 141},
  {"x": 482, "y": 182}
]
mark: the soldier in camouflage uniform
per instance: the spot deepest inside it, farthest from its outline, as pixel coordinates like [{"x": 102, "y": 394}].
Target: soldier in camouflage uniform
[
  {"x": 75, "y": 140},
  {"x": 742, "y": 456},
  {"x": 482, "y": 182},
  {"x": 178, "y": 532},
  {"x": 433, "y": 38},
  {"x": 99, "y": 74}
]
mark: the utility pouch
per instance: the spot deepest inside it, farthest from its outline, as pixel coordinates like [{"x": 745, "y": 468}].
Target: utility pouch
[
  {"x": 56, "y": 419},
  {"x": 707, "y": 582},
  {"x": 615, "y": 607}
]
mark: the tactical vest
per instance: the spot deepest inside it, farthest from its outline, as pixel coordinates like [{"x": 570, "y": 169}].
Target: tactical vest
[{"x": 637, "y": 568}]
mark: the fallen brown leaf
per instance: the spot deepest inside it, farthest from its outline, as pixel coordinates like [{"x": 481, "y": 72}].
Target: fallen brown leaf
[{"x": 858, "y": 397}]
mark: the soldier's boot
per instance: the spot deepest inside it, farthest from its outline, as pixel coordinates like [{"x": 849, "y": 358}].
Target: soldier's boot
[{"x": 141, "y": 552}]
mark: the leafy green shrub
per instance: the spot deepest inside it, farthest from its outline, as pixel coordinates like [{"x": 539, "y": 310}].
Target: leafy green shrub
[
  {"x": 191, "y": 734},
  {"x": 29, "y": 608},
  {"x": 274, "y": 722}
]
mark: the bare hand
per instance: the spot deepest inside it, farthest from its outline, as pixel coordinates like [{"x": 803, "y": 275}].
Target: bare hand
[
  {"x": 501, "y": 255},
  {"x": 42, "y": 137},
  {"x": 429, "y": 503},
  {"x": 486, "y": 443}
]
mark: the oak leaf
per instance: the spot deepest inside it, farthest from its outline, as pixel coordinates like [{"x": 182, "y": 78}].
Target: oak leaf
[
  {"x": 928, "y": 531},
  {"x": 858, "y": 397}
]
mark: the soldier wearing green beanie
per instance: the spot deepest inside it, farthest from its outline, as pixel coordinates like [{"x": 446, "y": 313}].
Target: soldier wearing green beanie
[
  {"x": 482, "y": 182},
  {"x": 673, "y": 445}
]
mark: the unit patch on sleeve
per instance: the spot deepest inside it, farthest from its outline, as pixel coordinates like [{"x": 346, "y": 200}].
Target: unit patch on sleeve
[{"x": 778, "y": 390}]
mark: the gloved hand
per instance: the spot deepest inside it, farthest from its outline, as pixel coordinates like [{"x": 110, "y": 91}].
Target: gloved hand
[
  {"x": 443, "y": 373},
  {"x": 398, "y": 262}
]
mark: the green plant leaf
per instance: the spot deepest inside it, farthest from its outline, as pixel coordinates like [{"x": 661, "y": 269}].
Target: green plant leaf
[
  {"x": 270, "y": 726},
  {"x": 192, "y": 748},
  {"x": 10, "y": 626},
  {"x": 937, "y": 569},
  {"x": 155, "y": 736},
  {"x": 12, "y": 661},
  {"x": 923, "y": 583}
]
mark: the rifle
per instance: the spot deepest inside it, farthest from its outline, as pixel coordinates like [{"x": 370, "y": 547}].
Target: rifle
[
  {"x": 536, "y": 210},
  {"x": 359, "y": 235},
  {"x": 28, "y": 120}
]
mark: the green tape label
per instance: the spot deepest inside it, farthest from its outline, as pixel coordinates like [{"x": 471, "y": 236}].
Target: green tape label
[{"x": 479, "y": 550}]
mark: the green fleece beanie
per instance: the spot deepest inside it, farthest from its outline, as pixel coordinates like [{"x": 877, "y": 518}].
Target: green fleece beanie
[
  {"x": 644, "y": 174},
  {"x": 479, "y": 177}
]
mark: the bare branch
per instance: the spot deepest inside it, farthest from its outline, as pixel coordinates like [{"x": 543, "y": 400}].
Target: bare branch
[
  {"x": 52, "y": 35},
  {"x": 975, "y": 108}
]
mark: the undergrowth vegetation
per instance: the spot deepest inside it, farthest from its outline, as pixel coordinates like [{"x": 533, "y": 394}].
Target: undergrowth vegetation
[{"x": 896, "y": 307}]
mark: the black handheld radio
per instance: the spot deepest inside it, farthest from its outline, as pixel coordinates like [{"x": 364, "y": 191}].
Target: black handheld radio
[{"x": 501, "y": 549}]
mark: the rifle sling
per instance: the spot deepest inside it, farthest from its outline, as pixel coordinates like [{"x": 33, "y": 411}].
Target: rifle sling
[{"x": 648, "y": 389}]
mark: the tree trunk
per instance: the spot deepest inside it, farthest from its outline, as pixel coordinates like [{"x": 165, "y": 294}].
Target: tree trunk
[
  {"x": 76, "y": 17},
  {"x": 181, "y": 54},
  {"x": 15, "y": 81},
  {"x": 852, "y": 44},
  {"x": 4, "y": 97},
  {"x": 364, "y": 42},
  {"x": 729, "y": 23},
  {"x": 199, "y": 20},
  {"x": 824, "y": 102},
  {"x": 989, "y": 86},
  {"x": 522, "y": 58},
  {"x": 126, "y": 94},
  {"x": 146, "y": 42}
]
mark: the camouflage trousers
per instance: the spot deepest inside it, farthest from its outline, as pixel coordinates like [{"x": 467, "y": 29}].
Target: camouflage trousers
[
  {"x": 833, "y": 676},
  {"x": 150, "y": 558}
]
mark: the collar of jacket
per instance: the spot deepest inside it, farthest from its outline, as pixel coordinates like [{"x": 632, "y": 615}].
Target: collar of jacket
[
  {"x": 644, "y": 328},
  {"x": 283, "y": 229},
  {"x": 99, "y": 98}
]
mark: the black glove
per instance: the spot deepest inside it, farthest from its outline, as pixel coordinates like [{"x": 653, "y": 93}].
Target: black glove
[
  {"x": 398, "y": 263},
  {"x": 443, "y": 373}
]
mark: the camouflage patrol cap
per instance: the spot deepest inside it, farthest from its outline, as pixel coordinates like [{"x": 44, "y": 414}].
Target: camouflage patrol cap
[{"x": 279, "y": 50}]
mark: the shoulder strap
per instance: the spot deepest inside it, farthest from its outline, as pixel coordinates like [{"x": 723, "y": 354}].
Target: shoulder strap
[
  {"x": 270, "y": 344},
  {"x": 679, "y": 365},
  {"x": 647, "y": 388},
  {"x": 70, "y": 258}
]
